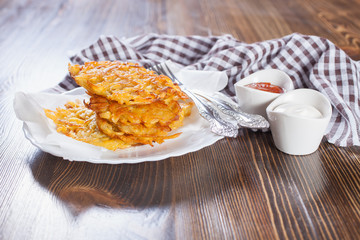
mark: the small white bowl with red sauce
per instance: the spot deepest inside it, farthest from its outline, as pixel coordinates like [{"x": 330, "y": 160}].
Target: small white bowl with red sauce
[{"x": 256, "y": 91}]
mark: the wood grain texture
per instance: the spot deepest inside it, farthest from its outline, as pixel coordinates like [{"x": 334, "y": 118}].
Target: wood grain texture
[{"x": 240, "y": 188}]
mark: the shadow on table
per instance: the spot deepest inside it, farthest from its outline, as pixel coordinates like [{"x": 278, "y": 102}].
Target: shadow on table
[{"x": 82, "y": 185}]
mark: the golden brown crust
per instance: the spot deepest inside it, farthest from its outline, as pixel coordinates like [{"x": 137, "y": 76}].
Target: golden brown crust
[
  {"x": 118, "y": 132},
  {"x": 78, "y": 122},
  {"x": 155, "y": 114},
  {"x": 126, "y": 83},
  {"x": 129, "y": 105}
]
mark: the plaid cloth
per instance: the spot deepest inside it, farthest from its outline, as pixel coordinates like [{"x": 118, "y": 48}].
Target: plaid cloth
[{"x": 310, "y": 61}]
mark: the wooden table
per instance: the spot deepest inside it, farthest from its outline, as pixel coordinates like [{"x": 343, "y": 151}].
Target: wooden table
[{"x": 242, "y": 188}]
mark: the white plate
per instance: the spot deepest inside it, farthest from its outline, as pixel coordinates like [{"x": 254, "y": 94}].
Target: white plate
[{"x": 42, "y": 133}]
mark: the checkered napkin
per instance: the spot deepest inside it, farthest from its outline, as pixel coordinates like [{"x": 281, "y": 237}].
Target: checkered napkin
[{"x": 310, "y": 61}]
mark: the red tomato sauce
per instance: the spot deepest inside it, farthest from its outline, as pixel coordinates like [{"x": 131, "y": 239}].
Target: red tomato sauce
[{"x": 265, "y": 86}]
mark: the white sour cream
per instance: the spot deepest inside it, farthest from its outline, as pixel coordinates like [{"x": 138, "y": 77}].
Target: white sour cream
[{"x": 298, "y": 110}]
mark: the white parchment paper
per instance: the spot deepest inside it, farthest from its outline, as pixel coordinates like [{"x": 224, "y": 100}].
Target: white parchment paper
[{"x": 41, "y": 131}]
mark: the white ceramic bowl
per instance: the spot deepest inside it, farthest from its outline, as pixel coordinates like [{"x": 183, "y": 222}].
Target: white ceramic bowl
[
  {"x": 299, "y": 129},
  {"x": 255, "y": 101}
]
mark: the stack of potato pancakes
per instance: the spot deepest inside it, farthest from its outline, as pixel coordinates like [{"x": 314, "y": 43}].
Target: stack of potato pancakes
[{"x": 129, "y": 105}]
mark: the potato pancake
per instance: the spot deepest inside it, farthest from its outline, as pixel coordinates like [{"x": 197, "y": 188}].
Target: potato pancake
[
  {"x": 126, "y": 83},
  {"x": 129, "y": 106},
  {"x": 78, "y": 122}
]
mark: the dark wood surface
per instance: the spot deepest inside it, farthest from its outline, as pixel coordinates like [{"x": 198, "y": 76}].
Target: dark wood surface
[{"x": 240, "y": 188}]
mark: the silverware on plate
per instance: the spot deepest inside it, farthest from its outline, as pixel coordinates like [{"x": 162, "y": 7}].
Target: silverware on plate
[
  {"x": 212, "y": 108},
  {"x": 217, "y": 124},
  {"x": 242, "y": 118}
]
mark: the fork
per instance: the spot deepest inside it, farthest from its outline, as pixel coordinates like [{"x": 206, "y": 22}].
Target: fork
[
  {"x": 242, "y": 118},
  {"x": 217, "y": 124}
]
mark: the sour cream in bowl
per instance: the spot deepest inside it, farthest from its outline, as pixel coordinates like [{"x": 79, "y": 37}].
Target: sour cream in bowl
[
  {"x": 256, "y": 91},
  {"x": 298, "y": 120}
]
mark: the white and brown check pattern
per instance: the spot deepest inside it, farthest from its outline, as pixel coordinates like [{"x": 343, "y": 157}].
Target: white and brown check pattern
[{"x": 310, "y": 61}]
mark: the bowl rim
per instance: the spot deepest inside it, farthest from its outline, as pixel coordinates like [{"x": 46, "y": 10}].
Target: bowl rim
[
  {"x": 326, "y": 110},
  {"x": 287, "y": 83}
]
